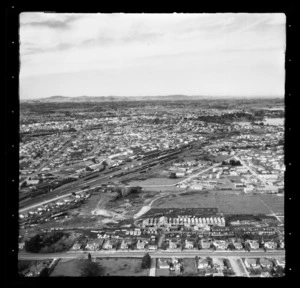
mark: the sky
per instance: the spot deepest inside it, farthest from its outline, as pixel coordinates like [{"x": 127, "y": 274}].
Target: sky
[{"x": 226, "y": 54}]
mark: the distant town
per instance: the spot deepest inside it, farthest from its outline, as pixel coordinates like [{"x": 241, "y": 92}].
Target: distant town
[{"x": 190, "y": 187}]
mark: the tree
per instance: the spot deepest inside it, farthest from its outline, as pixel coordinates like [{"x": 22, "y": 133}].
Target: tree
[
  {"x": 24, "y": 184},
  {"x": 91, "y": 269},
  {"x": 44, "y": 272},
  {"x": 146, "y": 261},
  {"x": 33, "y": 244},
  {"x": 181, "y": 269},
  {"x": 172, "y": 175}
]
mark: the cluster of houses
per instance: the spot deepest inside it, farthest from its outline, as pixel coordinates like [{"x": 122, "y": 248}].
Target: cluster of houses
[
  {"x": 210, "y": 267},
  {"x": 263, "y": 266}
]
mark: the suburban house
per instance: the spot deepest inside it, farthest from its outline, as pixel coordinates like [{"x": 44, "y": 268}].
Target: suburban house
[
  {"x": 141, "y": 244},
  {"x": 163, "y": 263},
  {"x": 77, "y": 246},
  {"x": 219, "y": 273},
  {"x": 189, "y": 244},
  {"x": 94, "y": 245},
  {"x": 152, "y": 247},
  {"x": 124, "y": 245},
  {"x": 265, "y": 274},
  {"x": 21, "y": 245},
  {"x": 251, "y": 263},
  {"x": 280, "y": 262},
  {"x": 204, "y": 244},
  {"x": 264, "y": 262},
  {"x": 253, "y": 244},
  {"x": 202, "y": 263},
  {"x": 220, "y": 244},
  {"x": 270, "y": 245},
  {"x": 172, "y": 245},
  {"x": 180, "y": 174},
  {"x": 238, "y": 245},
  {"x": 107, "y": 245}
]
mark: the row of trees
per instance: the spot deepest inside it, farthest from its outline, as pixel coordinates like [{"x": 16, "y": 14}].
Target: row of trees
[{"x": 232, "y": 162}]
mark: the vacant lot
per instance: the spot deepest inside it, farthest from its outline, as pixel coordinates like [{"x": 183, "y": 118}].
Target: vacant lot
[
  {"x": 122, "y": 266},
  {"x": 227, "y": 203},
  {"x": 162, "y": 272},
  {"x": 189, "y": 267},
  {"x": 69, "y": 268}
]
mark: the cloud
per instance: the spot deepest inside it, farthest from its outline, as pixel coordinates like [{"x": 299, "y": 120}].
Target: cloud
[
  {"x": 54, "y": 21},
  {"x": 117, "y": 44}
]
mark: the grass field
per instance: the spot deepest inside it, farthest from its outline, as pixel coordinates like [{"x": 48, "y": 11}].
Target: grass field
[
  {"x": 156, "y": 181},
  {"x": 162, "y": 272},
  {"x": 68, "y": 268},
  {"x": 123, "y": 266},
  {"x": 189, "y": 267},
  {"x": 227, "y": 203}
]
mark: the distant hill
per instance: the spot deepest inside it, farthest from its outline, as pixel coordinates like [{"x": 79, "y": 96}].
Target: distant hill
[
  {"x": 78, "y": 99},
  {"x": 55, "y": 99}
]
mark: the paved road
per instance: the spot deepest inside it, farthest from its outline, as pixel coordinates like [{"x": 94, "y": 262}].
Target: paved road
[
  {"x": 209, "y": 168},
  {"x": 252, "y": 171},
  {"x": 154, "y": 254}
]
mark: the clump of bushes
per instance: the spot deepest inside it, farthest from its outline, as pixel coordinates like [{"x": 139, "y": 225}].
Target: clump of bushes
[{"x": 49, "y": 243}]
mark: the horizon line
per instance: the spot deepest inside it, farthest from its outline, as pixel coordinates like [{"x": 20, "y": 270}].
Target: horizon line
[{"x": 184, "y": 95}]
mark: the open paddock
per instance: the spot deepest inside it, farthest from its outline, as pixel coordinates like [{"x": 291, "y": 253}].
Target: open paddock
[
  {"x": 226, "y": 203},
  {"x": 122, "y": 266}
]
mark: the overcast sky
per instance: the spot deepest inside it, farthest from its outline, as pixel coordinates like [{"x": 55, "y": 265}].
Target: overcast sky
[{"x": 151, "y": 54}]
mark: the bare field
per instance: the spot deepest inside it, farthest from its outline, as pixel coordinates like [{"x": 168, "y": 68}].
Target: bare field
[{"x": 226, "y": 203}]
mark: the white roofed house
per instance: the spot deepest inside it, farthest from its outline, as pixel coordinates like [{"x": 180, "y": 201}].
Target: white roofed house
[
  {"x": 124, "y": 245},
  {"x": 264, "y": 262},
  {"x": 141, "y": 244},
  {"x": 270, "y": 245},
  {"x": 188, "y": 244},
  {"x": 172, "y": 245},
  {"x": 280, "y": 262},
  {"x": 220, "y": 244},
  {"x": 107, "y": 245},
  {"x": 202, "y": 263},
  {"x": 164, "y": 263},
  {"x": 92, "y": 245},
  {"x": 77, "y": 246},
  {"x": 253, "y": 244},
  {"x": 251, "y": 262}
]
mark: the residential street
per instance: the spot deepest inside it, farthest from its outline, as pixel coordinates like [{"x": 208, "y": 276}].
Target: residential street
[{"x": 155, "y": 254}]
